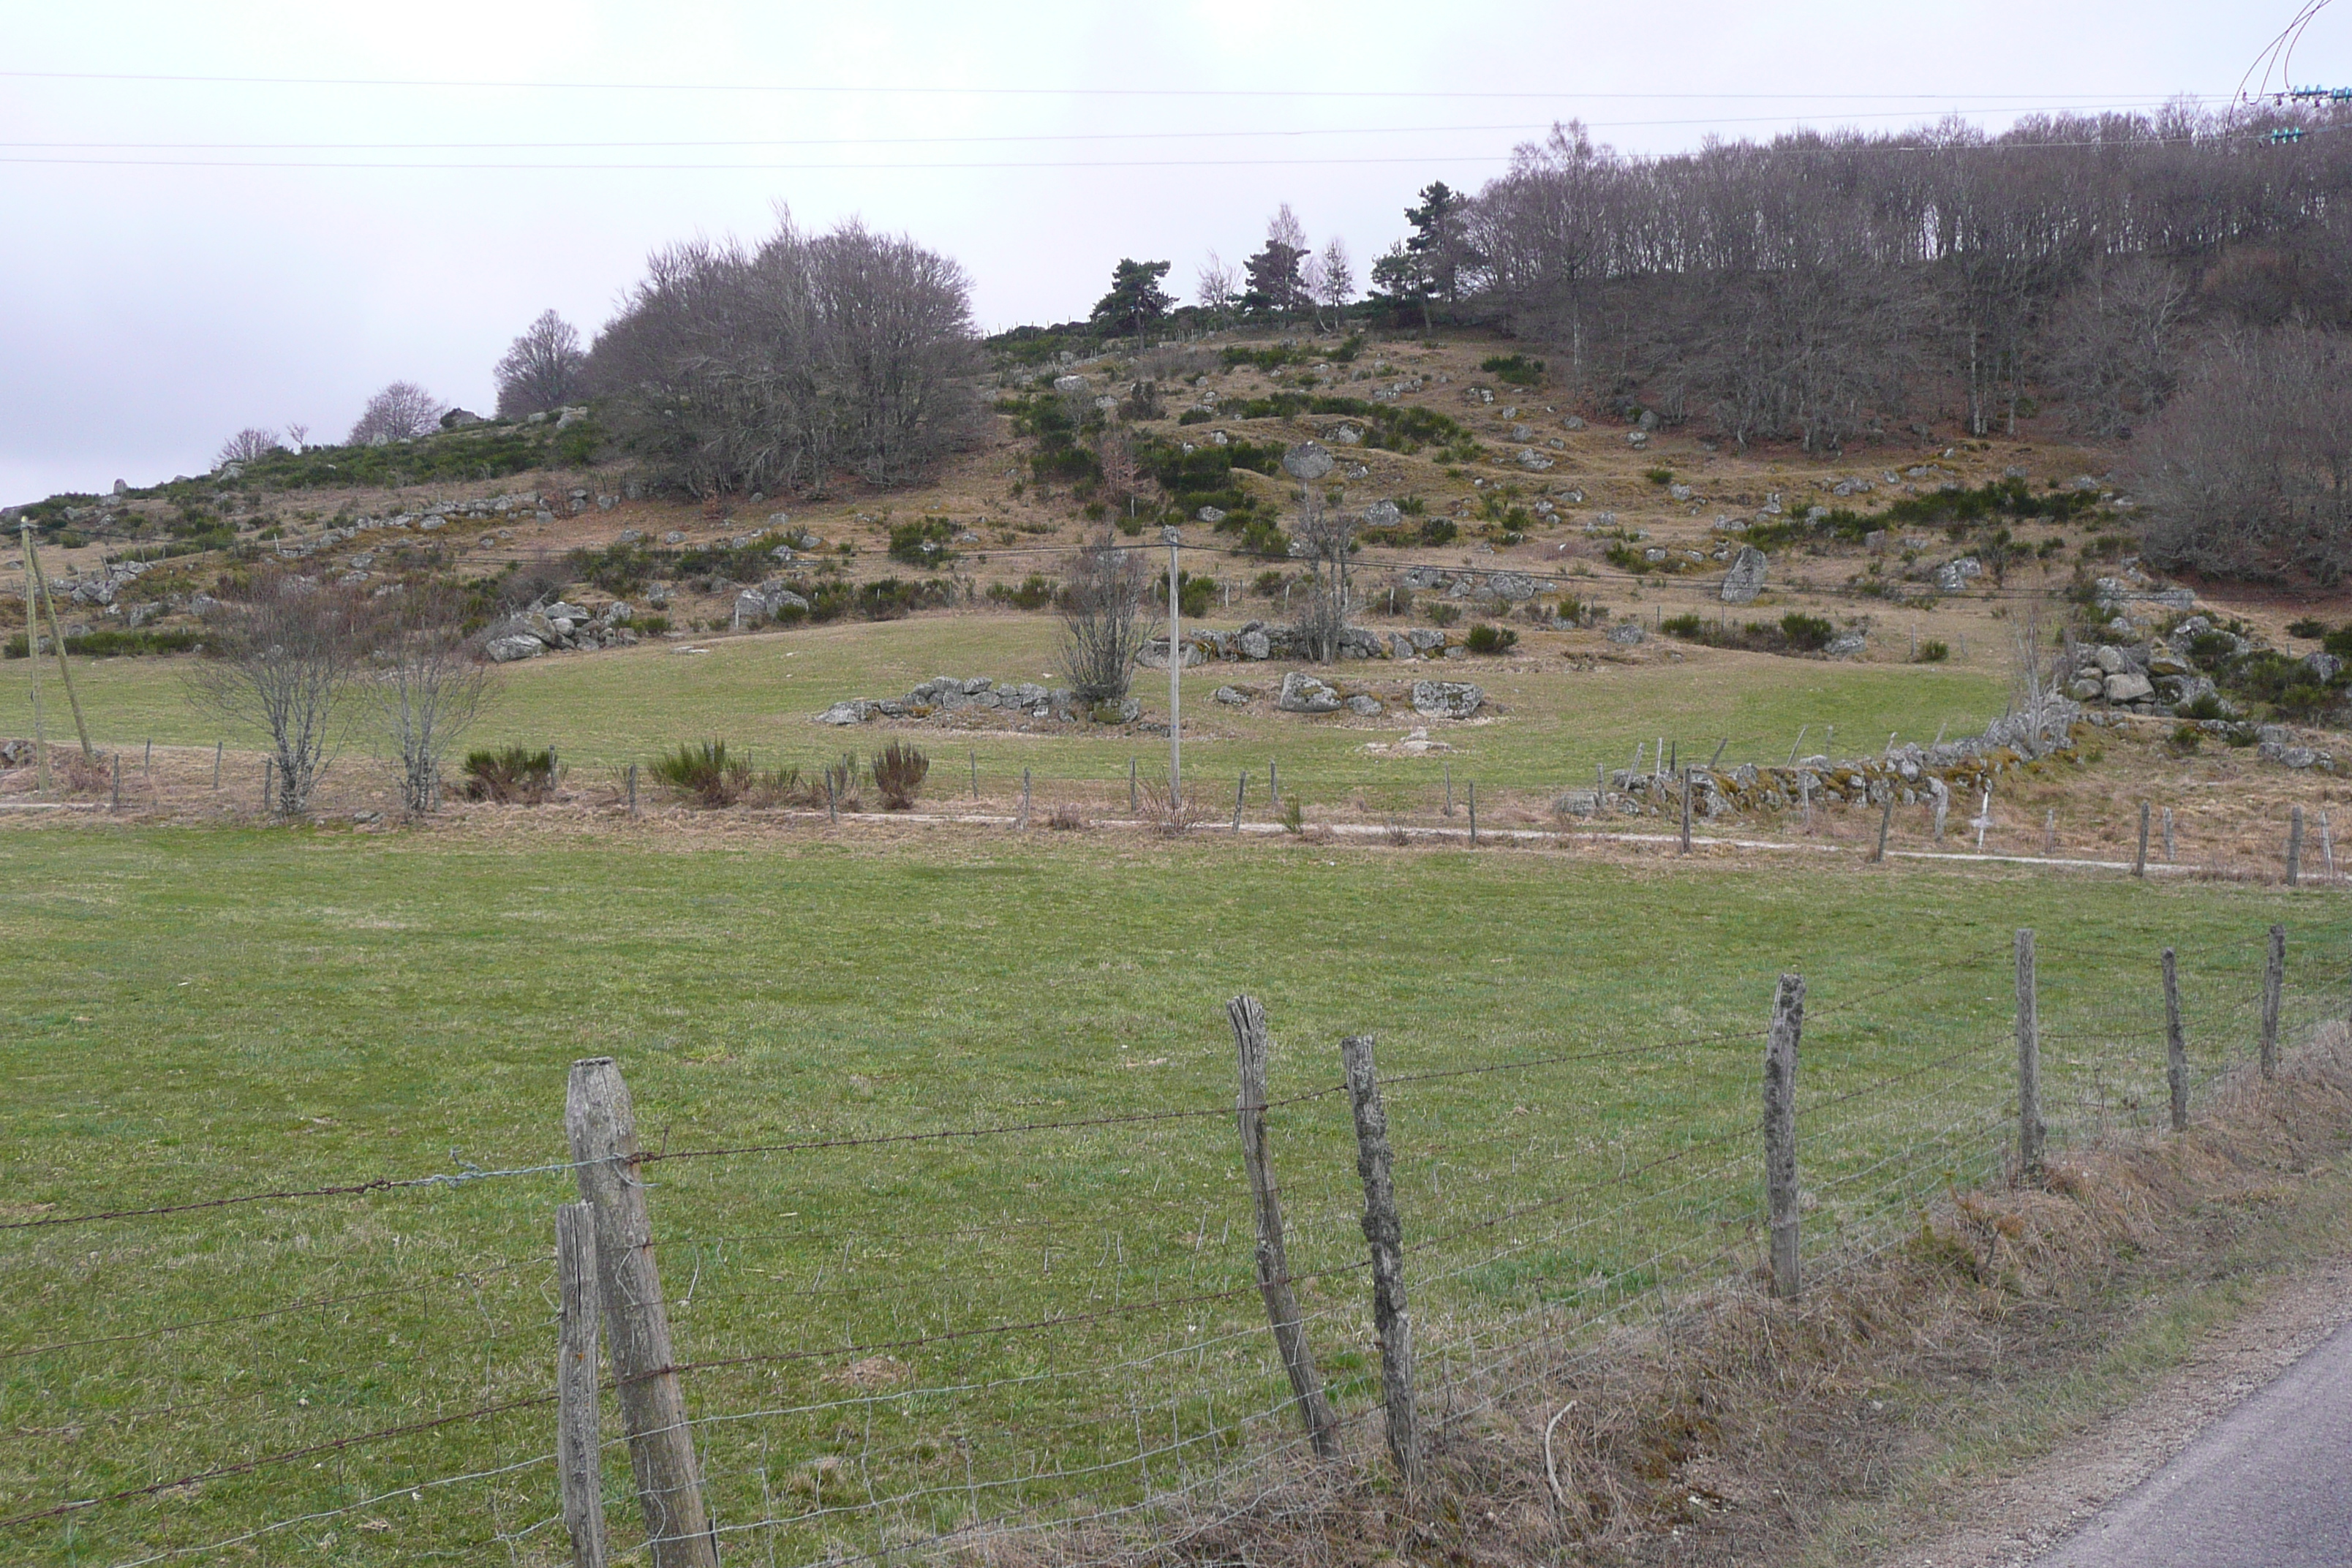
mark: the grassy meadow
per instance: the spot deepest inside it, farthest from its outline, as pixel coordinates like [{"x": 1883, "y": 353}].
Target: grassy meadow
[{"x": 920, "y": 1333}]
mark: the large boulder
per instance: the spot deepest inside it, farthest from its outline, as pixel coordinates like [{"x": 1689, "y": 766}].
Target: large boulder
[
  {"x": 2129, "y": 686},
  {"x": 512, "y": 646},
  {"x": 1745, "y": 578},
  {"x": 1447, "y": 699},
  {"x": 1515, "y": 586},
  {"x": 853, "y": 711},
  {"x": 1302, "y": 693}
]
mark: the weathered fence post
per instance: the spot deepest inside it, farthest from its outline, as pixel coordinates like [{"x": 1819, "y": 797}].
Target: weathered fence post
[
  {"x": 579, "y": 1446},
  {"x": 603, "y": 1127},
  {"x": 1449, "y": 789},
  {"x": 831, "y": 801},
  {"x": 118, "y": 784},
  {"x": 975, "y": 777},
  {"x": 2294, "y": 847},
  {"x": 1239, "y": 785},
  {"x": 1885, "y": 820},
  {"x": 1781, "y": 1132},
  {"x": 1273, "y": 1258},
  {"x": 2176, "y": 1046},
  {"x": 2030, "y": 1131},
  {"x": 1391, "y": 1321},
  {"x": 1474, "y": 813},
  {"x": 2169, "y": 859},
  {"x": 1133, "y": 804},
  {"x": 632, "y": 789},
  {"x": 2050, "y": 831},
  {"x": 1274, "y": 782},
  {"x": 217, "y": 747},
  {"x": 2139, "y": 861},
  {"x": 1686, "y": 795},
  {"x": 1025, "y": 798},
  {"x": 2273, "y": 990}
]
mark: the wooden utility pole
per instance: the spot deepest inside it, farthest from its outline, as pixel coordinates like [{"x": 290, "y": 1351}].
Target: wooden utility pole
[
  {"x": 1384, "y": 1232},
  {"x": 579, "y": 1446},
  {"x": 1273, "y": 1258},
  {"x": 1780, "y": 1192},
  {"x": 57, "y": 634},
  {"x": 602, "y": 1126},
  {"x": 2030, "y": 1131}
]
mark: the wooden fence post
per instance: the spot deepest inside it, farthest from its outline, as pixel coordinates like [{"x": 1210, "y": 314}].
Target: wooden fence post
[
  {"x": 1885, "y": 820},
  {"x": 1781, "y": 1132},
  {"x": 2169, "y": 859},
  {"x": 1025, "y": 798},
  {"x": 832, "y": 804},
  {"x": 1385, "y": 1234},
  {"x": 1273, "y": 1258},
  {"x": 118, "y": 781},
  {"x": 632, "y": 789},
  {"x": 2176, "y": 1046},
  {"x": 2139, "y": 861},
  {"x": 1274, "y": 782},
  {"x": 1134, "y": 804},
  {"x": 2294, "y": 848},
  {"x": 1239, "y": 785},
  {"x": 217, "y": 747},
  {"x": 602, "y": 1125},
  {"x": 1449, "y": 789},
  {"x": 2050, "y": 831},
  {"x": 579, "y": 1446},
  {"x": 2273, "y": 990},
  {"x": 2030, "y": 1131},
  {"x": 1474, "y": 813},
  {"x": 1686, "y": 795}
]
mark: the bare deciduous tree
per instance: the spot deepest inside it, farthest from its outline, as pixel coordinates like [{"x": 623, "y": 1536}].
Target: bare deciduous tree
[
  {"x": 542, "y": 369},
  {"x": 401, "y": 412},
  {"x": 1218, "y": 287},
  {"x": 248, "y": 443},
  {"x": 284, "y": 660},
  {"x": 1335, "y": 282},
  {"x": 772, "y": 369},
  {"x": 298, "y": 435},
  {"x": 1328, "y": 536},
  {"x": 2249, "y": 472},
  {"x": 428, "y": 687},
  {"x": 1106, "y": 618}
]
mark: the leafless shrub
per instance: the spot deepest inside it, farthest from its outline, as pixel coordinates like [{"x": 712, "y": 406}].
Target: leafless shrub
[
  {"x": 285, "y": 660},
  {"x": 730, "y": 368},
  {"x": 249, "y": 445},
  {"x": 401, "y": 412},
  {"x": 542, "y": 369},
  {"x": 2249, "y": 472},
  {"x": 428, "y": 689},
  {"x": 1106, "y": 618},
  {"x": 1173, "y": 816},
  {"x": 898, "y": 772},
  {"x": 839, "y": 782},
  {"x": 1328, "y": 536}
]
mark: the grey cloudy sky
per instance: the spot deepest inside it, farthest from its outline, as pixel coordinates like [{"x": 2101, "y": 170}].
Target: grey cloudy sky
[{"x": 181, "y": 258}]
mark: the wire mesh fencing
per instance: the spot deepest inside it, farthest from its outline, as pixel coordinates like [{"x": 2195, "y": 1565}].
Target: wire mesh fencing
[{"x": 926, "y": 1343}]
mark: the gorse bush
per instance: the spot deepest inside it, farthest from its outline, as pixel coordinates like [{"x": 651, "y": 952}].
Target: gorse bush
[
  {"x": 704, "y": 773},
  {"x": 898, "y": 772},
  {"x": 512, "y": 775},
  {"x": 1514, "y": 370},
  {"x": 1484, "y": 638},
  {"x": 922, "y": 543}
]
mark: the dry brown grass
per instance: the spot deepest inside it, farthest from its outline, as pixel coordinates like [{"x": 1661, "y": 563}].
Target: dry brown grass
[{"x": 1742, "y": 1429}]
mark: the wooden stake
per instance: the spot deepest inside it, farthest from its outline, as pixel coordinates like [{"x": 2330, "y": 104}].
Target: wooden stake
[
  {"x": 602, "y": 1126},
  {"x": 632, "y": 789},
  {"x": 2169, "y": 857},
  {"x": 1025, "y": 796},
  {"x": 2050, "y": 831},
  {"x": 2176, "y": 1046},
  {"x": 57, "y": 635},
  {"x": 1384, "y": 1232},
  {"x": 118, "y": 781},
  {"x": 2294, "y": 848},
  {"x": 579, "y": 1446},
  {"x": 2273, "y": 990},
  {"x": 1885, "y": 820},
  {"x": 1239, "y": 785},
  {"x": 832, "y": 800},
  {"x": 1133, "y": 804},
  {"x": 1274, "y": 782},
  {"x": 1474, "y": 813},
  {"x": 2139, "y": 860},
  {"x": 1449, "y": 789},
  {"x": 1273, "y": 1258},
  {"x": 1720, "y": 745},
  {"x": 1686, "y": 804},
  {"x": 1781, "y": 1132},
  {"x": 217, "y": 748},
  {"x": 2030, "y": 1131}
]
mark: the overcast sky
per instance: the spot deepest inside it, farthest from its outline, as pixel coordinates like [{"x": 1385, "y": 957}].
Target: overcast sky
[{"x": 181, "y": 258}]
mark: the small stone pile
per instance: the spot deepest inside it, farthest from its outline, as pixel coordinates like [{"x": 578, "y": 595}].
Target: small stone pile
[
  {"x": 558, "y": 625},
  {"x": 948, "y": 694}
]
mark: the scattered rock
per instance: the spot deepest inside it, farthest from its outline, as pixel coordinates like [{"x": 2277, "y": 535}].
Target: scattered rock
[
  {"x": 1745, "y": 578},
  {"x": 2129, "y": 686},
  {"x": 1232, "y": 695},
  {"x": 508, "y": 648},
  {"x": 1447, "y": 699},
  {"x": 1627, "y": 633},
  {"x": 1302, "y": 693},
  {"x": 1364, "y": 707}
]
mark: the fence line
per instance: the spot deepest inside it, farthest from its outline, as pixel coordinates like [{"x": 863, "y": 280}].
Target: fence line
[{"x": 1141, "y": 1388}]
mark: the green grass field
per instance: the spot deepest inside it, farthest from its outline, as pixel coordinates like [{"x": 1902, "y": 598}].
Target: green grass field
[
  {"x": 1554, "y": 725},
  {"x": 195, "y": 1014}
]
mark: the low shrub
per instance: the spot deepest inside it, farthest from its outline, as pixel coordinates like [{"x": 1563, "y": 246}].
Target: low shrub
[
  {"x": 704, "y": 773},
  {"x": 1935, "y": 650},
  {"x": 1807, "y": 634},
  {"x": 922, "y": 542},
  {"x": 514, "y": 775},
  {"x": 1444, "y": 615},
  {"x": 2184, "y": 740},
  {"x": 1484, "y": 638},
  {"x": 898, "y": 772},
  {"x": 1514, "y": 370},
  {"x": 2308, "y": 626},
  {"x": 1034, "y": 593},
  {"x": 652, "y": 625}
]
